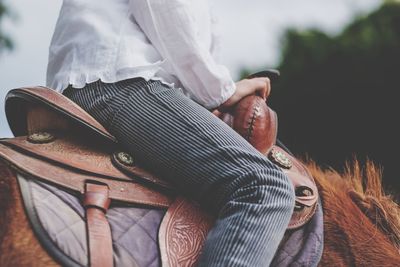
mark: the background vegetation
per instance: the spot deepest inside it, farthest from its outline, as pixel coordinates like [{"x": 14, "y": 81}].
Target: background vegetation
[
  {"x": 338, "y": 96},
  {"x": 5, "y": 41}
]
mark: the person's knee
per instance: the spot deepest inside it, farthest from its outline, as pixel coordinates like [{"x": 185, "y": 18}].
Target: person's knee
[{"x": 264, "y": 186}]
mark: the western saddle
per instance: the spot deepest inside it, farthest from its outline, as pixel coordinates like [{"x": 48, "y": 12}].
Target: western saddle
[{"x": 59, "y": 143}]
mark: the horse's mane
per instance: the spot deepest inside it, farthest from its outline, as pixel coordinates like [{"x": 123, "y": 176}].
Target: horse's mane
[{"x": 364, "y": 186}]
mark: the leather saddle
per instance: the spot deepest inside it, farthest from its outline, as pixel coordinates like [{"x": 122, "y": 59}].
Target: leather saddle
[{"x": 57, "y": 142}]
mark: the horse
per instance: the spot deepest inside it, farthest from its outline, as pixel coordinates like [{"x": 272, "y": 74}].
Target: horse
[{"x": 361, "y": 224}]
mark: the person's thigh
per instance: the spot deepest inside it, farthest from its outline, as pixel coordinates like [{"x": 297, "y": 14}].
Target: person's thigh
[{"x": 180, "y": 140}]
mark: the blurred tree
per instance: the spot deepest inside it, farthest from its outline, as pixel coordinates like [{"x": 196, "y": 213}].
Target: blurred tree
[
  {"x": 5, "y": 41},
  {"x": 338, "y": 96}
]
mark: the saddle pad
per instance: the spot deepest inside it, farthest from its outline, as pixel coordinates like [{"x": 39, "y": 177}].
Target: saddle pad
[
  {"x": 135, "y": 230},
  {"x": 60, "y": 214},
  {"x": 302, "y": 246}
]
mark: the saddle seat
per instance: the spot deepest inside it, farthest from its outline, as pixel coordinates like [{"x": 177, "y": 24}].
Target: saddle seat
[{"x": 59, "y": 143}]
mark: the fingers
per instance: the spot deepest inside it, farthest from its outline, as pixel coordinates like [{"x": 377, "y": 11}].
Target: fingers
[
  {"x": 216, "y": 112},
  {"x": 262, "y": 87}
]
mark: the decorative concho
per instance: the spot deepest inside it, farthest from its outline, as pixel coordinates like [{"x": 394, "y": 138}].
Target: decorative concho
[
  {"x": 280, "y": 159},
  {"x": 41, "y": 137},
  {"x": 124, "y": 158}
]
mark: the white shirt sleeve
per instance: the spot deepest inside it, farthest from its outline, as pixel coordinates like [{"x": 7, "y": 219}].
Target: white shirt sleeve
[{"x": 171, "y": 28}]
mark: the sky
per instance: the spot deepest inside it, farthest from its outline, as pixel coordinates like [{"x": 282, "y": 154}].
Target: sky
[{"x": 250, "y": 34}]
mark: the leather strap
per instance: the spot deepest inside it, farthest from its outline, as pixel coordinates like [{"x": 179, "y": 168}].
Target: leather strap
[
  {"x": 96, "y": 203},
  {"x": 88, "y": 158},
  {"x": 125, "y": 191}
]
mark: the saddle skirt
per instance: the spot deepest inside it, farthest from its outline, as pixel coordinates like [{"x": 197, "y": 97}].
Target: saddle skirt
[{"x": 59, "y": 147}]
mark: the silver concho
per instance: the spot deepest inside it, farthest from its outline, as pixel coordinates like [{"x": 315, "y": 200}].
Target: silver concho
[
  {"x": 124, "y": 158},
  {"x": 41, "y": 137},
  {"x": 280, "y": 159}
]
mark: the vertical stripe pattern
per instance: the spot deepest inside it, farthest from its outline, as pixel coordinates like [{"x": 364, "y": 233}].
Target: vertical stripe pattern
[{"x": 208, "y": 161}]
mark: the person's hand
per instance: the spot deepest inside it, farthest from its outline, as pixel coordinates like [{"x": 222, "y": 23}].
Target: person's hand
[{"x": 245, "y": 87}]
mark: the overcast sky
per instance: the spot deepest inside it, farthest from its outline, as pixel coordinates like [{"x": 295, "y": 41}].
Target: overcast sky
[{"x": 250, "y": 32}]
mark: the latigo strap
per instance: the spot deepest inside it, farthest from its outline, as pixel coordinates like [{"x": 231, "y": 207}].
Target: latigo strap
[{"x": 96, "y": 203}]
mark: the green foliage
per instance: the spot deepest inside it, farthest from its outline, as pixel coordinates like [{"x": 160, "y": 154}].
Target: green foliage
[
  {"x": 338, "y": 96},
  {"x": 5, "y": 41}
]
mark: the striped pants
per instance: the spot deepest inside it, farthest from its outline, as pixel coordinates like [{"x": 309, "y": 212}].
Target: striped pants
[{"x": 208, "y": 161}]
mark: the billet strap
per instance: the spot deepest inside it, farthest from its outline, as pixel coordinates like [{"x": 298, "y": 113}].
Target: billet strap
[{"x": 96, "y": 202}]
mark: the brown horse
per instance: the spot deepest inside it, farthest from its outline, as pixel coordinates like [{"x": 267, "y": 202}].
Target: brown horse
[{"x": 361, "y": 223}]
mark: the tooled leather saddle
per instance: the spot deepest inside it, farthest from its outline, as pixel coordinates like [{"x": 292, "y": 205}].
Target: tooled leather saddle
[{"x": 58, "y": 143}]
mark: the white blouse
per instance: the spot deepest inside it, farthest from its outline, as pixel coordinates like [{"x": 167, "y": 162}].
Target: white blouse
[{"x": 174, "y": 41}]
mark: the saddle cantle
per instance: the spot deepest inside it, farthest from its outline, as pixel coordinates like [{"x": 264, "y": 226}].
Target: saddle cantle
[
  {"x": 59, "y": 143},
  {"x": 21, "y": 116}
]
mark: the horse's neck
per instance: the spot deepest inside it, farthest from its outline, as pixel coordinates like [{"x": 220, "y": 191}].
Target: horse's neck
[{"x": 351, "y": 238}]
